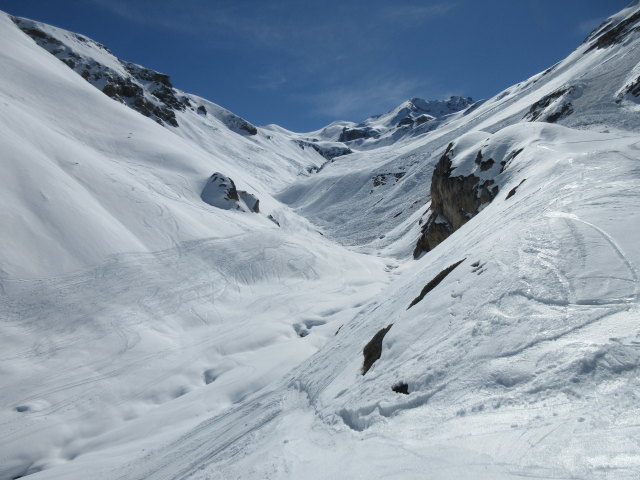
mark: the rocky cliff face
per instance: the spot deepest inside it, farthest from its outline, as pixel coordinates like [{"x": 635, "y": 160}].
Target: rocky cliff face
[
  {"x": 554, "y": 106},
  {"x": 461, "y": 185},
  {"x": 454, "y": 200},
  {"x": 613, "y": 31},
  {"x": 146, "y": 91}
]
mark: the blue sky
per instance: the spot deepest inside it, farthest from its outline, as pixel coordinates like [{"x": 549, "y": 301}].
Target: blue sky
[{"x": 303, "y": 64}]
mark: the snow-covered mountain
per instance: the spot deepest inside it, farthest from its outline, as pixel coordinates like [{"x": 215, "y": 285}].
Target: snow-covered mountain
[
  {"x": 447, "y": 290},
  {"x": 413, "y": 117}
]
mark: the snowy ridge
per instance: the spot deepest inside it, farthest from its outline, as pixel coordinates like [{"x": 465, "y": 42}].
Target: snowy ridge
[
  {"x": 410, "y": 118},
  {"x": 156, "y": 323}
]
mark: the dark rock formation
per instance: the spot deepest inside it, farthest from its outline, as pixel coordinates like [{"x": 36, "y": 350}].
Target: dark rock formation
[
  {"x": 435, "y": 282},
  {"x": 609, "y": 34},
  {"x": 273, "y": 219},
  {"x": 373, "y": 349},
  {"x": 401, "y": 387},
  {"x": 538, "y": 111},
  {"x": 484, "y": 164},
  {"x": 350, "y": 134},
  {"x": 239, "y": 124},
  {"x": 454, "y": 201},
  {"x": 144, "y": 90},
  {"x": 423, "y": 119},
  {"x": 512, "y": 192},
  {"x": 632, "y": 88},
  {"x": 383, "y": 178},
  {"x": 327, "y": 150},
  {"x": 221, "y": 192},
  {"x": 505, "y": 163}
]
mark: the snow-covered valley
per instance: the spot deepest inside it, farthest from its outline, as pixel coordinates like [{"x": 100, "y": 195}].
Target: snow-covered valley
[{"x": 447, "y": 290}]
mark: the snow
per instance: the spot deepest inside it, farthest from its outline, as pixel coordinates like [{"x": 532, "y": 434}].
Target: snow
[{"x": 146, "y": 333}]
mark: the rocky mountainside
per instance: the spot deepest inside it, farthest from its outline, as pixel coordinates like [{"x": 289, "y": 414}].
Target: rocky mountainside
[
  {"x": 410, "y": 118},
  {"x": 451, "y": 287}
]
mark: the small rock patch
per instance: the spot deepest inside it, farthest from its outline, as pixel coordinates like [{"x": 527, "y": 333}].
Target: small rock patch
[
  {"x": 401, "y": 387},
  {"x": 373, "y": 349},
  {"x": 434, "y": 282}
]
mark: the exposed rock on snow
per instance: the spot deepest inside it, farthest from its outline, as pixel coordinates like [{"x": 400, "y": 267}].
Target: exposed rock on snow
[
  {"x": 611, "y": 32},
  {"x": 629, "y": 91},
  {"x": 142, "y": 89},
  {"x": 350, "y": 134},
  {"x": 401, "y": 387},
  {"x": 220, "y": 191},
  {"x": 513, "y": 191},
  {"x": 273, "y": 219},
  {"x": 434, "y": 283},
  {"x": 328, "y": 150},
  {"x": 552, "y": 107},
  {"x": 455, "y": 199},
  {"x": 383, "y": 178},
  {"x": 239, "y": 124},
  {"x": 373, "y": 349},
  {"x": 405, "y": 119}
]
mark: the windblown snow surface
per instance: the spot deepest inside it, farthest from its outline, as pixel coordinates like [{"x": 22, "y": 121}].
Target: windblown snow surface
[{"x": 147, "y": 334}]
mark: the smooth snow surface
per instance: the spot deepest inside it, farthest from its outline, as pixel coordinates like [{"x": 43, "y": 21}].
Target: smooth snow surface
[{"x": 151, "y": 327}]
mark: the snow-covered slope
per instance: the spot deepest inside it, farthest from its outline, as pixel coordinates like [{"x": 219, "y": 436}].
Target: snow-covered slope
[
  {"x": 196, "y": 119},
  {"x": 154, "y": 325},
  {"x": 122, "y": 291}
]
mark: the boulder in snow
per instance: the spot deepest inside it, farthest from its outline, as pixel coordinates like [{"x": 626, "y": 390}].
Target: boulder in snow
[{"x": 221, "y": 192}]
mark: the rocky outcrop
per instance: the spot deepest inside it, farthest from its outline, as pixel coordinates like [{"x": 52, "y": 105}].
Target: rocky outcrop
[
  {"x": 454, "y": 201},
  {"x": 373, "y": 349},
  {"x": 144, "y": 90},
  {"x": 239, "y": 124},
  {"x": 609, "y": 33},
  {"x": 631, "y": 89},
  {"x": 420, "y": 119},
  {"x": 552, "y": 107},
  {"x": 383, "y": 178},
  {"x": 350, "y": 134},
  {"x": 434, "y": 282},
  {"x": 401, "y": 387},
  {"x": 221, "y": 192},
  {"x": 326, "y": 149},
  {"x": 513, "y": 191}
]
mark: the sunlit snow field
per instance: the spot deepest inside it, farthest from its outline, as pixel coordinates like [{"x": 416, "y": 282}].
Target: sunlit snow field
[{"x": 147, "y": 334}]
